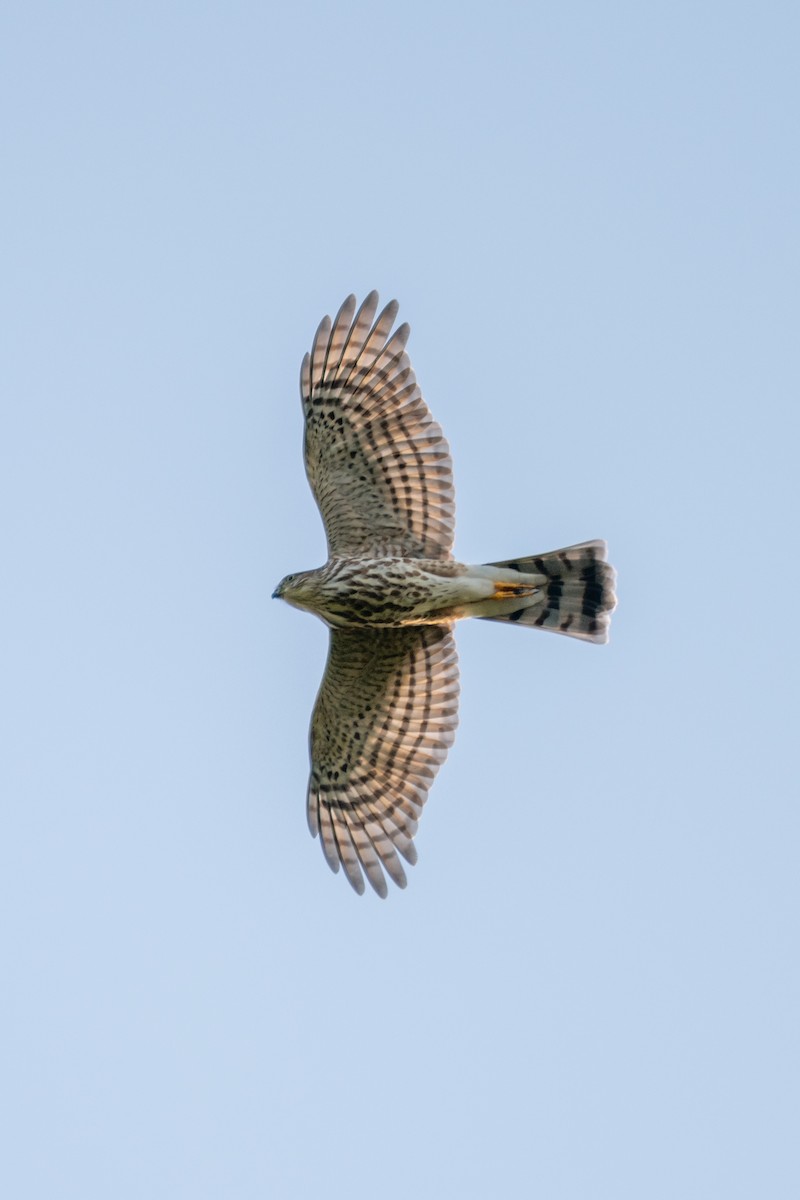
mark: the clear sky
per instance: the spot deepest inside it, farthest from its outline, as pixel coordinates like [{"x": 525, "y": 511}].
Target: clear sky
[{"x": 589, "y": 214}]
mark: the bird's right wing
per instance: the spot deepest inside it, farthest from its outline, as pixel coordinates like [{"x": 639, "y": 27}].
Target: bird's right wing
[
  {"x": 377, "y": 462},
  {"x": 384, "y": 720}
]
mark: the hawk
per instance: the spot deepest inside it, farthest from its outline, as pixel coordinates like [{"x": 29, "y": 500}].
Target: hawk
[{"x": 386, "y": 712}]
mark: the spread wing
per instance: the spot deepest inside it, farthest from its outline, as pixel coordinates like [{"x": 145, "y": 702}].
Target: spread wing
[
  {"x": 384, "y": 720},
  {"x": 377, "y": 462}
]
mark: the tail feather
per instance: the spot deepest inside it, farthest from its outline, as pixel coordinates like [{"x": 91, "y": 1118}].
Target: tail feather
[{"x": 577, "y": 599}]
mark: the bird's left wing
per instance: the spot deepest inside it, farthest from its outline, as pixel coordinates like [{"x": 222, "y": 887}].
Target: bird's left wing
[
  {"x": 384, "y": 720},
  {"x": 377, "y": 462}
]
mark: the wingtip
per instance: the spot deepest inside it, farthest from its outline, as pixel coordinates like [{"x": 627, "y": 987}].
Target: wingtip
[
  {"x": 357, "y": 885},
  {"x": 381, "y": 889},
  {"x": 346, "y": 309},
  {"x": 390, "y": 310}
]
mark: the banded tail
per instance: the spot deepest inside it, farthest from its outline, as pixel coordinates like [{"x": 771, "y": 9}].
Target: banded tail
[{"x": 577, "y": 599}]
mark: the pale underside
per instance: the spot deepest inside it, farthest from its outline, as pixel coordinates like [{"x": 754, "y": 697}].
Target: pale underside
[{"x": 385, "y": 716}]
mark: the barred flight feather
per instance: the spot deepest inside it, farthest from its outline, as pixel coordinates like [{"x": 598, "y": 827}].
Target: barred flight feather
[
  {"x": 377, "y": 462},
  {"x": 383, "y": 722}
]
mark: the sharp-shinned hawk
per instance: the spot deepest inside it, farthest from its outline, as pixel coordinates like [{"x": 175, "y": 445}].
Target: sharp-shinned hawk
[{"x": 386, "y": 712}]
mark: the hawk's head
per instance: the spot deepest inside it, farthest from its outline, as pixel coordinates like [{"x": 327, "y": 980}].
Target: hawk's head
[{"x": 295, "y": 589}]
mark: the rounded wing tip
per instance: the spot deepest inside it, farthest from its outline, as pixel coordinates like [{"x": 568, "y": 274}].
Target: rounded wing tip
[
  {"x": 401, "y": 334},
  {"x": 390, "y": 311},
  {"x": 346, "y": 310},
  {"x": 323, "y": 329},
  {"x": 381, "y": 890}
]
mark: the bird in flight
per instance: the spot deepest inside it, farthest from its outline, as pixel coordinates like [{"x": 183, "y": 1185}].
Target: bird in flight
[{"x": 386, "y": 711}]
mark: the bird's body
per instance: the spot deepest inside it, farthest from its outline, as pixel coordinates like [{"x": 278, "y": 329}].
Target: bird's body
[
  {"x": 390, "y": 591},
  {"x": 386, "y": 593}
]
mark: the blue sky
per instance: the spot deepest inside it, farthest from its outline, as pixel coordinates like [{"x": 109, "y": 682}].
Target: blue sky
[{"x": 590, "y": 987}]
